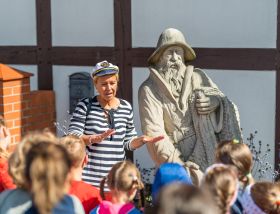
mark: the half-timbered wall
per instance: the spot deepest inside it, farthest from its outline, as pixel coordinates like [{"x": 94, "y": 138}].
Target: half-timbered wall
[{"x": 236, "y": 43}]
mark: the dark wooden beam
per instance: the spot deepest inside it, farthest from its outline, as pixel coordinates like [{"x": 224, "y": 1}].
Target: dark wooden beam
[
  {"x": 219, "y": 58},
  {"x": 44, "y": 44},
  {"x": 82, "y": 56},
  {"x": 211, "y": 58},
  {"x": 277, "y": 113},
  {"x": 123, "y": 43},
  {"x": 18, "y": 54},
  {"x": 140, "y": 56},
  {"x": 235, "y": 58}
]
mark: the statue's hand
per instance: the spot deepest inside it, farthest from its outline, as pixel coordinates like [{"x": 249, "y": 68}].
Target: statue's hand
[
  {"x": 206, "y": 104},
  {"x": 194, "y": 171},
  {"x": 191, "y": 165}
]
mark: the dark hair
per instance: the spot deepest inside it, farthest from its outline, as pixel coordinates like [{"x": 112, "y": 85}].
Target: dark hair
[{"x": 179, "y": 198}]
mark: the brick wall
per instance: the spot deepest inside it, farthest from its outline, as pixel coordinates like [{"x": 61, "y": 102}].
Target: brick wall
[
  {"x": 24, "y": 110},
  {"x": 39, "y": 112}
]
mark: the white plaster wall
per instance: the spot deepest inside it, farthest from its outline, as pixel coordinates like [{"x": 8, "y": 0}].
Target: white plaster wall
[
  {"x": 30, "y": 69},
  {"x": 17, "y": 22},
  {"x": 61, "y": 87},
  {"x": 215, "y": 23},
  {"x": 139, "y": 75},
  {"x": 82, "y": 23},
  {"x": 253, "y": 92}
]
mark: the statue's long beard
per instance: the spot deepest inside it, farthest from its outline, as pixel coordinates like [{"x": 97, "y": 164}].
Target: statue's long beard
[{"x": 172, "y": 74}]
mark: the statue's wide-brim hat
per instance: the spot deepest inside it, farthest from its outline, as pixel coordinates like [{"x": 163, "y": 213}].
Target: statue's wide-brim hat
[{"x": 171, "y": 37}]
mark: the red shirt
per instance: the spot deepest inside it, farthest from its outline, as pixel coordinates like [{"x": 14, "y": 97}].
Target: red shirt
[
  {"x": 88, "y": 194},
  {"x": 6, "y": 182}
]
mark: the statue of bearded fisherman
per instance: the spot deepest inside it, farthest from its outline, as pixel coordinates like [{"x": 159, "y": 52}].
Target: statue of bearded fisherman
[{"x": 184, "y": 104}]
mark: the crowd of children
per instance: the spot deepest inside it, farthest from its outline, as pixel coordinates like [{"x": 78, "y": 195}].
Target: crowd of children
[{"x": 43, "y": 175}]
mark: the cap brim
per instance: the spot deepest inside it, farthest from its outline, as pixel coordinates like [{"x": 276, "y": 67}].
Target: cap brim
[{"x": 105, "y": 72}]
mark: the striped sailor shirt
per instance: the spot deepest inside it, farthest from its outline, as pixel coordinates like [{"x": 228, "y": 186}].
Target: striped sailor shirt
[{"x": 103, "y": 155}]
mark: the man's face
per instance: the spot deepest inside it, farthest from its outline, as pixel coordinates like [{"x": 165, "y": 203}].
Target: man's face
[
  {"x": 171, "y": 61},
  {"x": 172, "y": 55}
]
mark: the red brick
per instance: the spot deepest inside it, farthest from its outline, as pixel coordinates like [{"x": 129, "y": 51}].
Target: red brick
[
  {"x": 9, "y": 123},
  {"x": 21, "y": 89},
  {"x": 12, "y": 83},
  {"x": 26, "y": 97},
  {"x": 6, "y": 91},
  {"x": 7, "y": 108},
  {"x": 26, "y": 81},
  {"x": 15, "y": 131},
  {"x": 17, "y": 138},
  {"x": 16, "y": 106},
  {"x": 13, "y": 115},
  {"x": 17, "y": 123},
  {"x": 27, "y": 112},
  {"x": 12, "y": 99},
  {"x": 19, "y": 106},
  {"x": 40, "y": 97}
]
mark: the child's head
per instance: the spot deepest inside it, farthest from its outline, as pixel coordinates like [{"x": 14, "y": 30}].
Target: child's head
[
  {"x": 123, "y": 177},
  {"x": 76, "y": 149},
  {"x": 47, "y": 169},
  {"x": 17, "y": 160},
  {"x": 262, "y": 197},
  {"x": 222, "y": 183},
  {"x": 182, "y": 198},
  {"x": 168, "y": 173},
  {"x": 237, "y": 154},
  {"x": 5, "y": 139}
]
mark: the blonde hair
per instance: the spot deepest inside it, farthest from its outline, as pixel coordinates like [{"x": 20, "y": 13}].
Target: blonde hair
[
  {"x": 17, "y": 160},
  {"x": 95, "y": 78},
  {"x": 47, "y": 168},
  {"x": 221, "y": 182},
  {"x": 121, "y": 178},
  {"x": 266, "y": 196},
  {"x": 4, "y": 153},
  {"x": 76, "y": 149},
  {"x": 2, "y": 121},
  {"x": 238, "y": 155}
]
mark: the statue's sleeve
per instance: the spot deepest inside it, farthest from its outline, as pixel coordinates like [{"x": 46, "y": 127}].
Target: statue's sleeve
[{"x": 152, "y": 123}]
